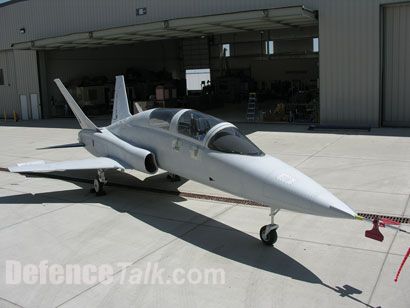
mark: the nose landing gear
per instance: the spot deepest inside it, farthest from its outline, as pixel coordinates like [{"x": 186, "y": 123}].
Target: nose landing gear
[{"x": 268, "y": 233}]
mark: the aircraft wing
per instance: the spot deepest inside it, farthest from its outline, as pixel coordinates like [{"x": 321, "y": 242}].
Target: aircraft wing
[{"x": 84, "y": 164}]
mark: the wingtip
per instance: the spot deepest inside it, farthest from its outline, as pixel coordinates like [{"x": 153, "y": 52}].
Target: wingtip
[{"x": 13, "y": 169}]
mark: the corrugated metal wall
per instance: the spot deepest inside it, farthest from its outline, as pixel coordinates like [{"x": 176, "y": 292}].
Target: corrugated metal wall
[
  {"x": 349, "y": 62},
  {"x": 48, "y": 18},
  {"x": 8, "y": 91},
  {"x": 396, "y": 103},
  {"x": 349, "y": 39},
  {"x": 26, "y": 72},
  {"x": 21, "y": 78}
]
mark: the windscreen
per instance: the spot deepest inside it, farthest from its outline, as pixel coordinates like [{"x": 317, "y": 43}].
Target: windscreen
[{"x": 231, "y": 140}]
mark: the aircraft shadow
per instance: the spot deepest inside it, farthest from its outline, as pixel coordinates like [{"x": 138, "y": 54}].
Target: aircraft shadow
[
  {"x": 154, "y": 183},
  {"x": 199, "y": 230}
]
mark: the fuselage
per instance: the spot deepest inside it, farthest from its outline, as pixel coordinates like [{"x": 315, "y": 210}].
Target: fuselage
[{"x": 212, "y": 152}]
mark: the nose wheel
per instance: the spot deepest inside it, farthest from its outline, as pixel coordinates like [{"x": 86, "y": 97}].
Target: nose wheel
[
  {"x": 98, "y": 184},
  {"x": 268, "y": 233}
]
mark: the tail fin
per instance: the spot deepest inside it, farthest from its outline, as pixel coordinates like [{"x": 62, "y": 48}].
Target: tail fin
[
  {"x": 121, "y": 108},
  {"x": 85, "y": 122}
]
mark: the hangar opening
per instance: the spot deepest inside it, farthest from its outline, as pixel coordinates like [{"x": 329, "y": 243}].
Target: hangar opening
[{"x": 260, "y": 66}]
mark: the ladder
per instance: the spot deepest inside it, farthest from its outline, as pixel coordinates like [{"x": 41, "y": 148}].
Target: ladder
[{"x": 251, "y": 112}]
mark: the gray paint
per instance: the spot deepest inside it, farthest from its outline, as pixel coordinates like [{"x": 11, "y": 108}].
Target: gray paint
[
  {"x": 131, "y": 139},
  {"x": 396, "y": 104},
  {"x": 349, "y": 39}
]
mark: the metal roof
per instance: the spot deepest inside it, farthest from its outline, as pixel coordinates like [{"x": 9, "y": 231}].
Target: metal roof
[{"x": 272, "y": 19}]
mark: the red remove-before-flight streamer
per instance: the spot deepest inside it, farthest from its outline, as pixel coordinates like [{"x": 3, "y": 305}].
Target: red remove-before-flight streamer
[{"x": 402, "y": 264}]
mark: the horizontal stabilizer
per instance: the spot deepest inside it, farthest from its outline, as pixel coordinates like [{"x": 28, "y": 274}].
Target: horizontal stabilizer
[
  {"x": 64, "y": 146},
  {"x": 85, "y": 164},
  {"x": 138, "y": 106}
]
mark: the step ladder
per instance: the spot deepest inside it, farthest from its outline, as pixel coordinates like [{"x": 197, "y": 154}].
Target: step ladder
[{"x": 251, "y": 112}]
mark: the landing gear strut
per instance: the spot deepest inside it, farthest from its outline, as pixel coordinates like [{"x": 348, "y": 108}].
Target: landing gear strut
[
  {"x": 268, "y": 233},
  {"x": 99, "y": 182},
  {"x": 173, "y": 177}
]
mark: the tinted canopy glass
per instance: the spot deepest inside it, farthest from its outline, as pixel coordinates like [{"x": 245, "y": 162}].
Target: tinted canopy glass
[
  {"x": 231, "y": 140},
  {"x": 162, "y": 117},
  {"x": 196, "y": 124}
]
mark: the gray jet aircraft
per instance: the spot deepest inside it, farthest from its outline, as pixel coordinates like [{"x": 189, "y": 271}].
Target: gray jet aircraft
[{"x": 198, "y": 147}]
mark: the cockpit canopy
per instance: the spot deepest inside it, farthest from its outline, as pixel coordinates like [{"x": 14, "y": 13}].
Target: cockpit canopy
[
  {"x": 162, "y": 117},
  {"x": 191, "y": 123},
  {"x": 196, "y": 124}
]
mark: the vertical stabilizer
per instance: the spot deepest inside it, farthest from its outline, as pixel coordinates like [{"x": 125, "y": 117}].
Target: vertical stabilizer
[
  {"x": 85, "y": 122},
  {"x": 121, "y": 108}
]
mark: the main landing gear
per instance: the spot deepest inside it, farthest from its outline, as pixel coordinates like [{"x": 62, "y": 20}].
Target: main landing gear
[
  {"x": 99, "y": 182},
  {"x": 268, "y": 233},
  {"x": 173, "y": 177}
]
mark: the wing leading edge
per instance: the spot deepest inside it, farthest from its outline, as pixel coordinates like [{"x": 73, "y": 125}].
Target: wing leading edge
[{"x": 85, "y": 164}]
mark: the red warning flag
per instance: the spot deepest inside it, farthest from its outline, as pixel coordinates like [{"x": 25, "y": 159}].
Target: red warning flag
[
  {"x": 385, "y": 221},
  {"x": 402, "y": 264}
]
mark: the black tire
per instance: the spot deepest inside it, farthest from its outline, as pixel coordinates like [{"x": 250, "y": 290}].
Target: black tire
[
  {"x": 98, "y": 187},
  {"x": 271, "y": 238}
]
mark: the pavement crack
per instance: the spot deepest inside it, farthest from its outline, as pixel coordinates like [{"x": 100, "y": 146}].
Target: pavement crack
[
  {"x": 10, "y": 302},
  {"x": 335, "y": 245},
  {"x": 176, "y": 238},
  {"x": 34, "y": 217},
  {"x": 317, "y": 152}
]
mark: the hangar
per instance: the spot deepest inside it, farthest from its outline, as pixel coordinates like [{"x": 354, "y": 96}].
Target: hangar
[{"x": 336, "y": 62}]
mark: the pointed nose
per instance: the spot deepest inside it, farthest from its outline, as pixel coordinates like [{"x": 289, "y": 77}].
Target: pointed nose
[
  {"x": 292, "y": 190},
  {"x": 331, "y": 206},
  {"x": 273, "y": 182},
  {"x": 343, "y": 213}
]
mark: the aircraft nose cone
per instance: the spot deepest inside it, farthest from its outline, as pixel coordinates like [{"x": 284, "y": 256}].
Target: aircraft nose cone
[
  {"x": 284, "y": 187},
  {"x": 334, "y": 207},
  {"x": 343, "y": 213},
  {"x": 294, "y": 191}
]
